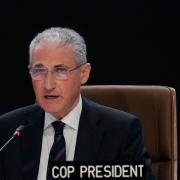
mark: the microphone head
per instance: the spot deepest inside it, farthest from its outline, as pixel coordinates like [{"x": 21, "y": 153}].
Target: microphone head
[{"x": 19, "y": 130}]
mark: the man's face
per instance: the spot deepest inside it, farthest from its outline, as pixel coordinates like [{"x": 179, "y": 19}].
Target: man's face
[{"x": 55, "y": 96}]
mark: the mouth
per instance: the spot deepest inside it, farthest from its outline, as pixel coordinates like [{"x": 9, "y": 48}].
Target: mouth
[{"x": 50, "y": 97}]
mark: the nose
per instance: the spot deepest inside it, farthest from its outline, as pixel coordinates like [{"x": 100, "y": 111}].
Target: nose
[{"x": 49, "y": 82}]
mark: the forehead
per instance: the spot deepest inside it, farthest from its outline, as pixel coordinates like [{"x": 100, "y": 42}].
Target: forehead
[{"x": 51, "y": 54}]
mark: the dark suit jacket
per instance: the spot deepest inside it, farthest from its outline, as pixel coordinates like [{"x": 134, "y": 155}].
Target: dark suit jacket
[{"x": 104, "y": 134}]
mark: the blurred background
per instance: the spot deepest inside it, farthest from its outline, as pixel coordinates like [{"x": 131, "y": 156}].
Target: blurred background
[{"x": 129, "y": 42}]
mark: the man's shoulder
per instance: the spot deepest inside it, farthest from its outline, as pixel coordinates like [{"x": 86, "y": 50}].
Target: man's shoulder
[
  {"x": 25, "y": 116},
  {"x": 110, "y": 114},
  {"x": 22, "y": 111},
  {"x": 113, "y": 120},
  {"x": 104, "y": 109}
]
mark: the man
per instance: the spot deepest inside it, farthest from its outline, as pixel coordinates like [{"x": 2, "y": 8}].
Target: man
[{"x": 92, "y": 132}]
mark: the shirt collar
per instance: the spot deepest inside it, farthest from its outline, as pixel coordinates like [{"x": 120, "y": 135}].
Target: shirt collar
[{"x": 71, "y": 119}]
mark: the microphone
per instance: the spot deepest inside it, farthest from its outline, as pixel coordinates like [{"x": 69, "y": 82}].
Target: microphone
[{"x": 17, "y": 133}]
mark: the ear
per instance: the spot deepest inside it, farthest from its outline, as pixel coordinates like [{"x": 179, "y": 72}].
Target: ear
[{"x": 85, "y": 72}]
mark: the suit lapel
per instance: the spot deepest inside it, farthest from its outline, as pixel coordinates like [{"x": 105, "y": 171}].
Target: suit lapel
[
  {"x": 89, "y": 134},
  {"x": 31, "y": 144}
]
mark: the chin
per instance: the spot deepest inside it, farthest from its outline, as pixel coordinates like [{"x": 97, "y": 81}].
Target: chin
[{"x": 51, "y": 108}]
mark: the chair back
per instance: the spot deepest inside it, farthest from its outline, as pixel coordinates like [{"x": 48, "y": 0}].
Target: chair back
[{"x": 156, "y": 108}]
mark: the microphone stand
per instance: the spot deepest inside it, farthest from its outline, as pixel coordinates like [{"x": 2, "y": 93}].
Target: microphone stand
[{"x": 17, "y": 133}]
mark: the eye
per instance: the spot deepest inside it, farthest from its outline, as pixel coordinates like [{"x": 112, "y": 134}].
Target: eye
[
  {"x": 60, "y": 70},
  {"x": 38, "y": 71}
]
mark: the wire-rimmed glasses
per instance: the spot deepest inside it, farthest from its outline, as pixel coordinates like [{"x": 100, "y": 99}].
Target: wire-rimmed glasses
[{"x": 59, "y": 72}]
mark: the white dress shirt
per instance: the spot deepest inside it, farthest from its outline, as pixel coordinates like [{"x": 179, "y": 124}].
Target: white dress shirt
[{"x": 71, "y": 121}]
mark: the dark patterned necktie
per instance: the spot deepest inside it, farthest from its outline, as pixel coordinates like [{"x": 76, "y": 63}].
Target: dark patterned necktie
[{"x": 58, "y": 150}]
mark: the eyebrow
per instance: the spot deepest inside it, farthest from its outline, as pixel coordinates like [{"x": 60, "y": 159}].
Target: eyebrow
[
  {"x": 55, "y": 66},
  {"x": 38, "y": 65},
  {"x": 60, "y": 65}
]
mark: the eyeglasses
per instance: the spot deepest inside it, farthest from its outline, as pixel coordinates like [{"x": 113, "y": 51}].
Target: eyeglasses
[{"x": 59, "y": 72}]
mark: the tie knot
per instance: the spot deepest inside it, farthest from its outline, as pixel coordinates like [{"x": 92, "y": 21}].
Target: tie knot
[{"x": 58, "y": 127}]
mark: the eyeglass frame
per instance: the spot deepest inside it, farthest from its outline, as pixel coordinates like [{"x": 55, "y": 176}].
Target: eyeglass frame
[{"x": 53, "y": 71}]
